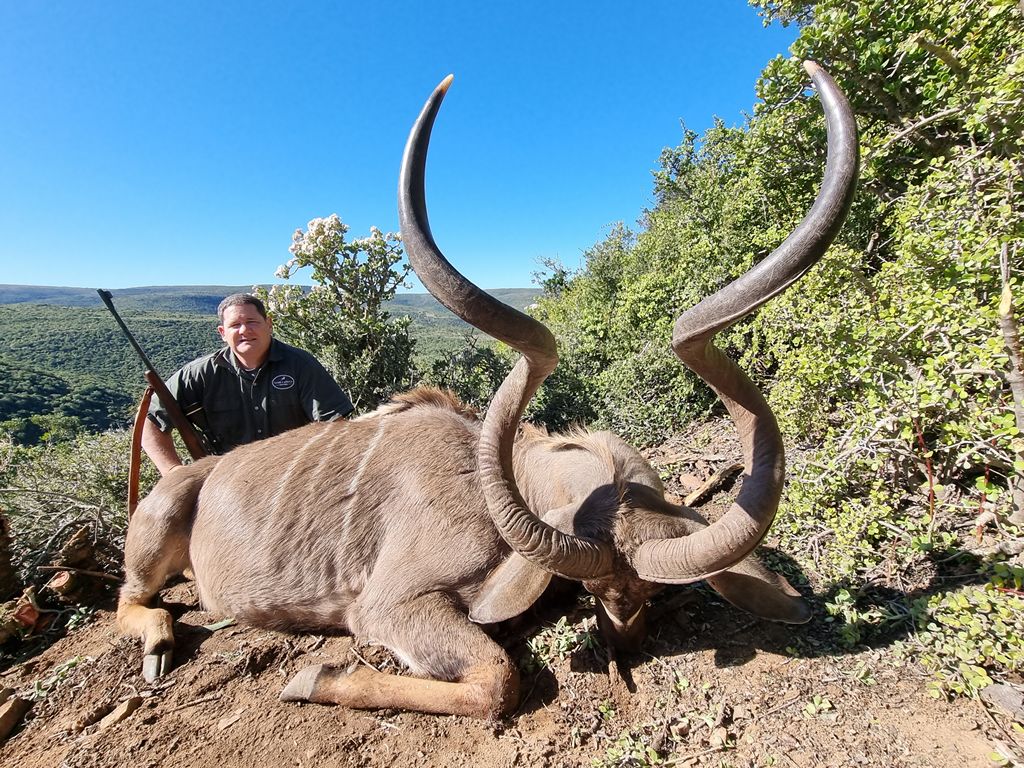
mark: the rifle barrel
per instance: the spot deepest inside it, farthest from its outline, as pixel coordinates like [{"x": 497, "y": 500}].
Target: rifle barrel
[
  {"x": 191, "y": 437},
  {"x": 109, "y": 301}
]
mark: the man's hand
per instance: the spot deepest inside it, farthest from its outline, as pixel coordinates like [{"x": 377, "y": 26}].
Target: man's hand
[{"x": 159, "y": 446}]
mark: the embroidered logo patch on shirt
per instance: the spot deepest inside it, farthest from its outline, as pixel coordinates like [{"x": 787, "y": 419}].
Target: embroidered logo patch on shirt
[{"x": 284, "y": 381}]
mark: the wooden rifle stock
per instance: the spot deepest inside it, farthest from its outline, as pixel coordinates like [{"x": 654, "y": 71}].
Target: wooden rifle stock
[{"x": 188, "y": 433}]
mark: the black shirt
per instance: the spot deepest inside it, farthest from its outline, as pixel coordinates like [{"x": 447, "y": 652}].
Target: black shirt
[{"x": 233, "y": 406}]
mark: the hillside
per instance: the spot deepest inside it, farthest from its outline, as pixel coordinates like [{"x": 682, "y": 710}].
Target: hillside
[
  {"x": 203, "y": 299},
  {"x": 61, "y": 352}
]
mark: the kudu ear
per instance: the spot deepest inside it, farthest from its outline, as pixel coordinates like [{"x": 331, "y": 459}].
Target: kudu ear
[
  {"x": 755, "y": 589},
  {"x": 509, "y": 590},
  {"x": 516, "y": 583}
]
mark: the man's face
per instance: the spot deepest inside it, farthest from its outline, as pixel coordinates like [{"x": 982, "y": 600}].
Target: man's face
[{"x": 247, "y": 332}]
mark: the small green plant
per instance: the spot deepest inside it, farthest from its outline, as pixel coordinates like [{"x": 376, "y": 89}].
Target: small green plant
[
  {"x": 862, "y": 674},
  {"x": 1007, "y": 577},
  {"x": 681, "y": 683},
  {"x": 80, "y": 616},
  {"x": 644, "y": 746},
  {"x": 43, "y": 688},
  {"x": 817, "y": 706},
  {"x": 966, "y": 636},
  {"x": 557, "y": 642},
  {"x": 854, "y": 624},
  {"x": 631, "y": 750}
]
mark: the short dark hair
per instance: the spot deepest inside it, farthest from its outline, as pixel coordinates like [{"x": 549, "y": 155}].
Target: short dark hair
[{"x": 237, "y": 300}]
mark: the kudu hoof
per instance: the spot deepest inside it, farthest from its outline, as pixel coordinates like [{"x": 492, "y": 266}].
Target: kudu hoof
[
  {"x": 300, "y": 687},
  {"x": 157, "y": 664},
  {"x": 320, "y": 684}
]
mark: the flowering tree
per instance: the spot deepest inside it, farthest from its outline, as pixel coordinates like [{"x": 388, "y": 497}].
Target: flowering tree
[{"x": 341, "y": 318}]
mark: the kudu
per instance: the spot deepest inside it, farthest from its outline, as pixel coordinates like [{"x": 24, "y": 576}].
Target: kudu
[{"x": 412, "y": 525}]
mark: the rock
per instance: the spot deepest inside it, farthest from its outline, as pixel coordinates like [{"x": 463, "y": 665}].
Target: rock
[
  {"x": 719, "y": 737},
  {"x": 228, "y": 720},
  {"x": 5, "y": 694},
  {"x": 680, "y": 731},
  {"x": 12, "y": 712},
  {"x": 1008, "y": 698},
  {"x": 76, "y": 724},
  {"x": 121, "y": 712}
]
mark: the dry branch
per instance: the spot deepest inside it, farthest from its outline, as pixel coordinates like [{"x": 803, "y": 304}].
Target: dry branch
[
  {"x": 714, "y": 482},
  {"x": 1014, "y": 377}
]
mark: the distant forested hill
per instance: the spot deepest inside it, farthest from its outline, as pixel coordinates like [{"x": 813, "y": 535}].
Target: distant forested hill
[
  {"x": 62, "y": 353},
  {"x": 203, "y": 299},
  {"x": 200, "y": 299},
  {"x": 74, "y": 361}
]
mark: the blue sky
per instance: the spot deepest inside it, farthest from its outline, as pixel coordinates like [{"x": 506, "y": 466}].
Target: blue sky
[{"x": 182, "y": 143}]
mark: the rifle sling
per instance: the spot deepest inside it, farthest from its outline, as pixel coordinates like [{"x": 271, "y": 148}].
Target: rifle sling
[{"x": 135, "y": 459}]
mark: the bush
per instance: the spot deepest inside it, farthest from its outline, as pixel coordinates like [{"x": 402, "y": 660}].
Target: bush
[
  {"x": 342, "y": 319},
  {"x": 54, "y": 490},
  {"x": 886, "y": 364}
]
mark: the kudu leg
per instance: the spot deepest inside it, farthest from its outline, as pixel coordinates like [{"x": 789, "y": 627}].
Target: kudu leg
[
  {"x": 477, "y": 677},
  {"x": 156, "y": 548}
]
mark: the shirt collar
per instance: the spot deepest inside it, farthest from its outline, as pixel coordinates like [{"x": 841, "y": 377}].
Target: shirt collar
[
  {"x": 225, "y": 358},
  {"x": 276, "y": 353}
]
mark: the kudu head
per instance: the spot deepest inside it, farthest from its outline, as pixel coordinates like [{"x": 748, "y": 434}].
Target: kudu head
[{"x": 628, "y": 559}]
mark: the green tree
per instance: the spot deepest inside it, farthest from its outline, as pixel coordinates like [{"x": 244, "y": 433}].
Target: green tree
[
  {"x": 342, "y": 318},
  {"x": 471, "y": 370},
  {"x": 42, "y": 428}
]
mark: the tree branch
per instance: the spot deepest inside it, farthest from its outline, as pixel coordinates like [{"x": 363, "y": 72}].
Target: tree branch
[
  {"x": 1014, "y": 376},
  {"x": 915, "y": 127},
  {"x": 944, "y": 55}
]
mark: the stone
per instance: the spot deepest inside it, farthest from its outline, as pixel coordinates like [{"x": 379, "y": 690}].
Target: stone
[
  {"x": 121, "y": 712},
  {"x": 1008, "y": 698},
  {"x": 12, "y": 712}
]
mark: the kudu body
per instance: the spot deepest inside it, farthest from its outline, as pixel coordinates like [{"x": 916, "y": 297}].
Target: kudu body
[{"x": 412, "y": 525}]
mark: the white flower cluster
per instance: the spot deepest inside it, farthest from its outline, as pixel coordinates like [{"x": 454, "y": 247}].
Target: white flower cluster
[
  {"x": 280, "y": 297},
  {"x": 376, "y": 239},
  {"x": 321, "y": 236}
]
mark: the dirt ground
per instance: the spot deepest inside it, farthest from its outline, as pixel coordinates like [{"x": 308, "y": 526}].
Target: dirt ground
[{"x": 712, "y": 687}]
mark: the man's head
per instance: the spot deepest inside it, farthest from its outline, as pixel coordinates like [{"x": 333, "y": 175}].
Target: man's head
[
  {"x": 245, "y": 328},
  {"x": 238, "y": 300}
]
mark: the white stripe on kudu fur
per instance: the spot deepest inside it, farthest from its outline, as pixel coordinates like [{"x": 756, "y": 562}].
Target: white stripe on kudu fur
[
  {"x": 400, "y": 525},
  {"x": 357, "y": 478}
]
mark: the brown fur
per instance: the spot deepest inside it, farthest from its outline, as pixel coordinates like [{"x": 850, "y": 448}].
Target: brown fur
[{"x": 378, "y": 527}]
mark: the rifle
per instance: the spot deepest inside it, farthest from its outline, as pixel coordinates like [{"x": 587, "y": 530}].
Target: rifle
[{"x": 193, "y": 441}]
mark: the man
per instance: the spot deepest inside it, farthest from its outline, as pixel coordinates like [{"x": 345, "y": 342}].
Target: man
[{"x": 255, "y": 387}]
